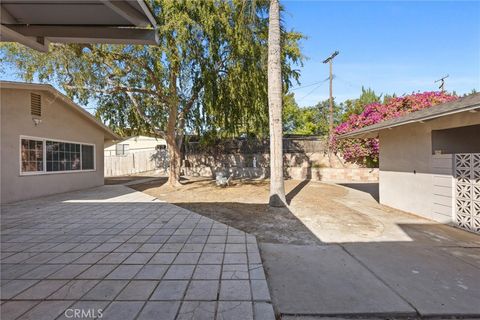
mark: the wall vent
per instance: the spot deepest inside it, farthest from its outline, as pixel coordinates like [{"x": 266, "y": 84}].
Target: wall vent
[{"x": 36, "y": 104}]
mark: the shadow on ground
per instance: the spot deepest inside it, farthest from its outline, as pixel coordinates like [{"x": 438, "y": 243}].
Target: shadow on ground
[
  {"x": 126, "y": 179},
  {"x": 370, "y": 188},
  {"x": 295, "y": 191},
  {"x": 273, "y": 226}
]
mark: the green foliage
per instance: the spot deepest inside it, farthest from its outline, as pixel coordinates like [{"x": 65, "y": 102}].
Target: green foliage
[
  {"x": 473, "y": 91},
  {"x": 356, "y": 106},
  {"x": 208, "y": 73},
  {"x": 308, "y": 120}
]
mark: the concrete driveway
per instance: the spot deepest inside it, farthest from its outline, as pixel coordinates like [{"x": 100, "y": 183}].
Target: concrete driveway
[
  {"x": 401, "y": 266},
  {"x": 115, "y": 253}
]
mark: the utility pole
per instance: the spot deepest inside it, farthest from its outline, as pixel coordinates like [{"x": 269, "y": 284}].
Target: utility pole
[
  {"x": 442, "y": 83},
  {"x": 329, "y": 60}
]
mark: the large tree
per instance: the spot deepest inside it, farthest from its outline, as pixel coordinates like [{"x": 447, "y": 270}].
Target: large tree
[
  {"x": 312, "y": 120},
  {"x": 356, "y": 106},
  {"x": 208, "y": 73}
]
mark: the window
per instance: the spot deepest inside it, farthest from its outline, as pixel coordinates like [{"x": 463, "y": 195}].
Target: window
[
  {"x": 87, "y": 157},
  {"x": 32, "y": 155},
  {"x": 121, "y": 149},
  {"x": 60, "y": 156}
]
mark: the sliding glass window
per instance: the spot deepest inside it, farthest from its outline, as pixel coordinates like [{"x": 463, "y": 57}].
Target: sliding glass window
[{"x": 60, "y": 156}]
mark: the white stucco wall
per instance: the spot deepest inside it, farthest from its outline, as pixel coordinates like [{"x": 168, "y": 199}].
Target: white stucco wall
[
  {"x": 137, "y": 144},
  {"x": 407, "y": 174},
  {"x": 59, "y": 122}
]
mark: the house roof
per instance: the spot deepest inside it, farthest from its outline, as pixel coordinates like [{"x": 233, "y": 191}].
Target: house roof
[
  {"x": 36, "y": 23},
  {"x": 468, "y": 103},
  {"x": 141, "y": 137},
  {"x": 108, "y": 134}
]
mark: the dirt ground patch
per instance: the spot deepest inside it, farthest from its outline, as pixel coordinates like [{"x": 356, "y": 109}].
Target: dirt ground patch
[
  {"x": 318, "y": 212},
  {"x": 242, "y": 205}
]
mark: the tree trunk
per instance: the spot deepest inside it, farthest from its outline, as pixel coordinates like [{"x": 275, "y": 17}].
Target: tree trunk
[
  {"x": 174, "y": 156},
  {"x": 275, "y": 93},
  {"x": 175, "y": 160}
]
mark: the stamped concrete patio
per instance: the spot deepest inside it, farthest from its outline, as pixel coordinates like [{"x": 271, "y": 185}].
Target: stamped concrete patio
[{"x": 115, "y": 253}]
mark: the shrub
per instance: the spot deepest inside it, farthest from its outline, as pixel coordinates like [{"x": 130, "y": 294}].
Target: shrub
[{"x": 365, "y": 151}]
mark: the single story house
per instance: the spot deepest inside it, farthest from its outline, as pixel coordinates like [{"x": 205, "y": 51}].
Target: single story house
[
  {"x": 48, "y": 143},
  {"x": 135, "y": 144},
  {"x": 430, "y": 161}
]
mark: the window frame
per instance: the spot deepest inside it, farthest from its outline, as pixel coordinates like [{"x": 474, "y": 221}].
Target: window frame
[
  {"x": 123, "y": 154},
  {"x": 44, "y": 142},
  {"x": 30, "y": 173}
]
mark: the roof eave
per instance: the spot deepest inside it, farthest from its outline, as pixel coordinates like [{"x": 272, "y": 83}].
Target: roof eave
[
  {"x": 38, "y": 37},
  {"x": 148, "y": 12}
]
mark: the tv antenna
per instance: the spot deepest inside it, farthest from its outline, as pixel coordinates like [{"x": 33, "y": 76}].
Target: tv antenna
[{"x": 442, "y": 83}]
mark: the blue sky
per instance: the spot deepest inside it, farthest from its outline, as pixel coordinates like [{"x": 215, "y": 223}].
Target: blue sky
[{"x": 392, "y": 47}]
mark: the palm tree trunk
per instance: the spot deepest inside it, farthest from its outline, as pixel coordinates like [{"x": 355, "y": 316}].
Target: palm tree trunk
[{"x": 277, "y": 188}]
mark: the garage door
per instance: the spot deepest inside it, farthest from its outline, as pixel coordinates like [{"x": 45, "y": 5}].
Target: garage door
[{"x": 467, "y": 191}]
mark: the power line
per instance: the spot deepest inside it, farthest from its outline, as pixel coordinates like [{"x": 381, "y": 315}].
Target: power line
[
  {"x": 321, "y": 83},
  {"x": 349, "y": 83},
  {"x": 307, "y": 85}
]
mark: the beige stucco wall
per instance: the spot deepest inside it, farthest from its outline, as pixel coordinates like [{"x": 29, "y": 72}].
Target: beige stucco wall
[
  {"x": 407, "y": 175},
  {"x": 59, "y": 121}
]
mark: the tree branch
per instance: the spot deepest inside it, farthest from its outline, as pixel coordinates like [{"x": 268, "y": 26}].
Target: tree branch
[
  {"x": 114, "y": 89},
  {"x": 142, "y": 114}
]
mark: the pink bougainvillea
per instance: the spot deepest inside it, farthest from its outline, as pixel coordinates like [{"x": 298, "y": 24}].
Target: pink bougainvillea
[{"x": 365, "y": 151}]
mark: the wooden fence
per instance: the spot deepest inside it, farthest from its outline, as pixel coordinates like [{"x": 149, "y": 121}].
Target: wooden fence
[{"x": 135, "y": 162}]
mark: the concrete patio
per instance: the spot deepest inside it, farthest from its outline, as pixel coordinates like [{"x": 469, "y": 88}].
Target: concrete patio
[
  {"x": 115, "y": 253},
  {"x": 403, "y": 266}
]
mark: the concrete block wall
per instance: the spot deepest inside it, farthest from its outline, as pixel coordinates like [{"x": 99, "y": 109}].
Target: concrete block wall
[
  {"x": 297, "y": 173},
  {"x": 335, "y": 174}
]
